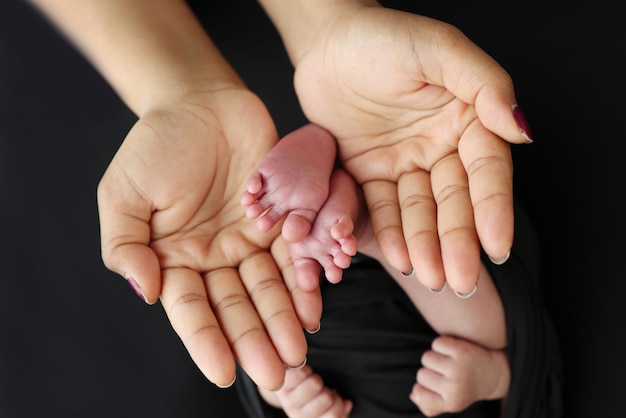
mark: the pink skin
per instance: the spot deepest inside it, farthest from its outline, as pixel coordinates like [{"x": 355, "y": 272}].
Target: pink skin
[
  {"x": 331, "y": 242},
  {"x": 293, "y": 180},
  {"x": 457, "y": 373},
  {"x": 304, "y": 395},
  {"x": 454, "y": 374},
  {"x": 297, "y": 178}
]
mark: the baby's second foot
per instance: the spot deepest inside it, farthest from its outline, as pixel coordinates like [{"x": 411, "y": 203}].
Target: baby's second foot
[
  {"x": 331, "y": 243},
  {"x": 292, "y": 179},
  {"x": 456, "y": 373},
  {"x": 304, "y": 396}
]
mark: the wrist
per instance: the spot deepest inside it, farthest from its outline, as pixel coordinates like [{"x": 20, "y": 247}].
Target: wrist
[
  {"x": 147, "y": 50},
  {"x": 301, "y": 22}
]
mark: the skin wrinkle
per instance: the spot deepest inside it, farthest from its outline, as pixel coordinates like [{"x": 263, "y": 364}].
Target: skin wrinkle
[
  {"x": 456, "y": 230},
  {"x": 379, "y": 205},
  {"x": 226, "y": 303},
  {"x": 183, "y": 303},
  {"x": 449, "y": 192},
  {"x": 413, "y": 201}
]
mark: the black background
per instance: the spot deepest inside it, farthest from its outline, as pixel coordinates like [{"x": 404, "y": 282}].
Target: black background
[{"x": 76, "y": 342}]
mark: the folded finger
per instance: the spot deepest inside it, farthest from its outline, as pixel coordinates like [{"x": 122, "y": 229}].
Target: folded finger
[
  {"x": 125, "y": 235},
  {"x": 430, "y": 379},
  {"x": 429, "y": 402}
]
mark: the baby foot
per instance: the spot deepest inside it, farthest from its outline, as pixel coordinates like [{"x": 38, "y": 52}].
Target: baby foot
[
  {"x": 331, "y": 243},
  {"x": 456, "y": 373},
  {"x": 292, "y": 179},
  {"x": 304, "y": 395}
]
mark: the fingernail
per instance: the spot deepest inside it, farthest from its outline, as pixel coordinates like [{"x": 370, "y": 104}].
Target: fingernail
[
  {"x": 502, "y": 260},
  {"x": 441, "y": 289},
  {"x": 408, "y": 273},
  {"x": 313, "y": 331},
  {"x": 466, "y": 294},
  {"x": 299, "y": 366},
  {"x": 133, "y": 284},
  {"x": 279, "y": 387},
  {"x": 521, "y": 121},
  {"x": 228, "y": 385}
]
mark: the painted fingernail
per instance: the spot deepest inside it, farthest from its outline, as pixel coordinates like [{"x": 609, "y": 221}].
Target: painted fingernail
[
  {"x": 408, "y": 273},
  {"x": 228, "y": 385},
  {"x": 466, "y": 294},
  {"x": 502, "y": 260},
  {"x": 521, "y": 121},
  {"x": 441, "y": 289},
  {"x": 314, "y": 331},
  {"x": 133, "y": 284}
]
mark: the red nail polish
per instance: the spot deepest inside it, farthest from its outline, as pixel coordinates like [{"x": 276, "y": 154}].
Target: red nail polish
[
  {"x": 521, "y": 121},
  {"x": 133, "y": 284}
]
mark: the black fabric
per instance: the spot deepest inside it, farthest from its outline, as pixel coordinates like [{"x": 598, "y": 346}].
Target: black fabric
[
  {"x": 536, "y": 384},
  {"x": 372, "y": 338}
]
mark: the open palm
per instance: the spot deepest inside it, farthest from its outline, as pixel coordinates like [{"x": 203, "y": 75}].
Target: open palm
[
  {"x": 419, "y": 113},
  {"x": 172, "y": 223}
]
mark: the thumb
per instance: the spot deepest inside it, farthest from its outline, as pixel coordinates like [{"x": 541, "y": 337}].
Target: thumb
[
  {"x": 125, "y": 235},
  {"x": 479, "y": 80}
]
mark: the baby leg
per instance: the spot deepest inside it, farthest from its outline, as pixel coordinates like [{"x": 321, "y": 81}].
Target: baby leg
[
  {"x": 292, "y": 179},
  {"x": 331, "y": 243},
  {"x": 456, "y": 373},
  {"x": 304, "y": 395}
]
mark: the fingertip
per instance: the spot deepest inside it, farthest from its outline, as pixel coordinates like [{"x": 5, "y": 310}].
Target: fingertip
[
  {"x": 298, "y": 366},
  {"x": 139, "y": 266},
  {"x": 500, "y": 260},
  {"x": 522, "y": 123},
  {"x": 314, "y": 330},
  {"x": 136, "y": 288},
  {"x": 226, "y": 386},
  {"x": 500, "y": 113},
  {"x": 395, "y": 251}
]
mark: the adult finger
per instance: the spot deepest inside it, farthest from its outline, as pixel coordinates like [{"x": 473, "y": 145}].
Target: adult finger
[
  {"x": 307, "y": 304},
  {"x": 419, "y": 223},
  {"x": 460, "y": 249},
  {"x": 476, "y": 78},
  {"x": 489, "y": 167},
  {"x": 274, "y": 306},
  {"x": 125, "y": 234},
  {"x": 186, "y": 303},
  {"x": 382, "y": 202},
  {"x": 243, "y": 328}
]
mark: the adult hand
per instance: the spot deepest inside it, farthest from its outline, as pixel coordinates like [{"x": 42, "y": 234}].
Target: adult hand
[
  {"x": 172, "y": 225},
  {"x": 420, "y": 113}
]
